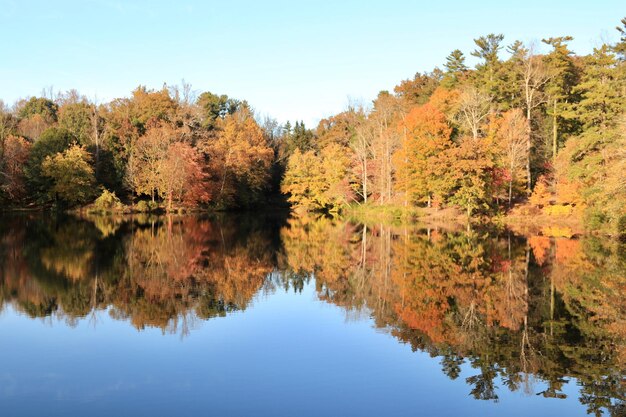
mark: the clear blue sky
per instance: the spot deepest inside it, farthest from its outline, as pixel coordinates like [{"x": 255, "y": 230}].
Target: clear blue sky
[{"x": 292, "y": 60}]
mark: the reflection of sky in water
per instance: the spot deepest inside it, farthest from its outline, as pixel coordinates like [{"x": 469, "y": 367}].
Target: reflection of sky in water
[
  {"x": 222, "y": 335},
  {"x": 287, "y": 354}
]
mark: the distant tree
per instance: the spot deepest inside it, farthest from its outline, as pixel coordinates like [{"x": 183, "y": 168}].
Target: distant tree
[
  {"x": 77, "y": 117},
  {"x": 41, "y": 106},
  {"x": 487, "y": 49},
  {"x": 455, "y": 68},
  {"x": 420, "y": 88},
  {"x": 151, "y": 106},
  {"x": 300, "y": 138},
  {"x": 339, "y": 129},
  {"x": 455, "y": 62},
  {"x": 216, "y": 107}
]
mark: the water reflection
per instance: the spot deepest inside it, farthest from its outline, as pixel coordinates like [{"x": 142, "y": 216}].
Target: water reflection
[{"x": 517, "y": 309}]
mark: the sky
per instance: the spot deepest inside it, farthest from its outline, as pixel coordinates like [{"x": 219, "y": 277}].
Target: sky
[{"x": 292, "y": 60}]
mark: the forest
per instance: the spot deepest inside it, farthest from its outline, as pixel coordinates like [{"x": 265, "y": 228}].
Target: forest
[{"x": 532, "y": 127}]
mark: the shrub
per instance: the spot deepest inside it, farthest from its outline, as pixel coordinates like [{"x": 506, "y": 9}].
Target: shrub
[
  {"x": 107, "y": 202},
  {"x": 142, "y": 207},
  {"x": 558, "y": 210},
  {"x": 557, "y": 231}
]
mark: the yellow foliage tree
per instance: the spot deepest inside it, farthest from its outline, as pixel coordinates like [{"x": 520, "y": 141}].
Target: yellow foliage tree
[{"x": 72, "y": 173}]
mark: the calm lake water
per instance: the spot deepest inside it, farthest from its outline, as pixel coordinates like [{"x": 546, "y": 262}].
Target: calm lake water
[{"x": 262, "y": 316}]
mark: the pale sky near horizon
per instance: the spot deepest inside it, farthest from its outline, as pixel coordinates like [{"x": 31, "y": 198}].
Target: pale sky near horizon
[{"x": 291, "y": 60}]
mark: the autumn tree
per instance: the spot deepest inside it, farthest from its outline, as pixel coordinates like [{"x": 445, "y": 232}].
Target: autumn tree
[
  {"x": 51, "y": 142},
  {"x": 75, "y": 116},
  {"x": 534, "y": 78},
  {"x": 182, "y": 178},
  {"x": 302, "y": 179},
  {"x": 385, "y": 141},
  {"x": 145, "y": 169},
  {"x": 473, "y": 110},
  {"x": 420, "y": 88},
  {"x": 339, "y": 129},
  {"x": 12, "y": 163},
  {"x": 428, "y": 135},
  {"x": 318, "y": 182},
  {"x": 512, "y": 136},
  {"x": 470, "y": 175},
  {"x": 239, "y": 160},
  {"x": 361, "y": 147},
  {"x": 72, "y": 175},
  {"x": 35, "y": 116}
]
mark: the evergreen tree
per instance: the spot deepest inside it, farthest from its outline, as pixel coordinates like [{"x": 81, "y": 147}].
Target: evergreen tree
[
  {"x": 563, "y": 77},
  {"x": 456, "y": 68}
]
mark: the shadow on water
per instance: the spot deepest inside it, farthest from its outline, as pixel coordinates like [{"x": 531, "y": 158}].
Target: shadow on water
[{"x": 517, "y": 309}]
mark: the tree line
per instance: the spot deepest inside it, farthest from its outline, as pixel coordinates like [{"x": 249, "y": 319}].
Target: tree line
[
  {"x": 547, "y": 128},
  {"x": 166, "y": 146}
]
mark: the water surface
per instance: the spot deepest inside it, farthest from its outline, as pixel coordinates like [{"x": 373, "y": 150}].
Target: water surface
[{"x": 264, "y": 316}]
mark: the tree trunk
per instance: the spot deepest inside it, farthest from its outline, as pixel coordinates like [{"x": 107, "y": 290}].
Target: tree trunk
[
  {"x": 511, "y": 167},
  {"x": 96, "y": 137},
  {"x": 365, "y": 180},
  {"x": 528, "y": 149},
  {"x": 554, "y": 133}
]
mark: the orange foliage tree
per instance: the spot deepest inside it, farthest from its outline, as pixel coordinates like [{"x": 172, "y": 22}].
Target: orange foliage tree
[
  {"x": 239, "y": 159},
  {"x": 428, "y": 134}
]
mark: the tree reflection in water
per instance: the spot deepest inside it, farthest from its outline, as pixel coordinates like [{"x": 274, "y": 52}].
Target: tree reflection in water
[{"x": 517, "y": 309}]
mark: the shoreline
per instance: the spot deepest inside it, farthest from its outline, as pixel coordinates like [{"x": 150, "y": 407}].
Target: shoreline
[{"x": 446, "y": 218}]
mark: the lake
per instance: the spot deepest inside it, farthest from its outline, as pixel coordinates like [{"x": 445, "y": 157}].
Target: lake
[{"x": 262, "y": 315}]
